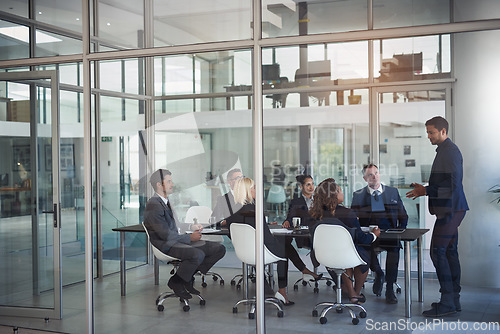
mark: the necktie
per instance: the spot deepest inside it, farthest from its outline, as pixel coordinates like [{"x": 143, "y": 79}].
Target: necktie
[
  {"x": 377, "y": 202},
  {"x": 170, "y": 212}
]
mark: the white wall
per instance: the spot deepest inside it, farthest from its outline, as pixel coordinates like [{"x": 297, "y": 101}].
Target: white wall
[{"x": 477, "y": 125}]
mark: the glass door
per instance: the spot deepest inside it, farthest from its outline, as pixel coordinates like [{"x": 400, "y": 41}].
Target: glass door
[{"x": 30, "y": 275}]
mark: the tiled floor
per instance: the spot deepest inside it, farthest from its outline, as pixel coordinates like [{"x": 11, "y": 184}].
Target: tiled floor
[{"x": 136, "y": 312}]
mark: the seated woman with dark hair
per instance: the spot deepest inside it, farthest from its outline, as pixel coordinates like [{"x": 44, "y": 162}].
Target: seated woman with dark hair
[
  {"x": 244, "y": 194},
  {"x": 326, "y": 210},
  {"x": 299, "y": 207}
]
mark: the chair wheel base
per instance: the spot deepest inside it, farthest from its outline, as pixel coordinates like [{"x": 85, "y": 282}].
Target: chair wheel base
[
  {"x": 355, "y": 321},
  {"x": 186, "y": 308},
  {"x": 362, "y": 314},
  {"x": 322, "y": 320},
  {"x": 315, "y": 313},
  {"x": 235, "y": 310},
  {"x": 160, "y": 308}
]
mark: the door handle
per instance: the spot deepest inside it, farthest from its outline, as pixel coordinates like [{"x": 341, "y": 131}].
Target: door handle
[{"x": 54, "y": 213}]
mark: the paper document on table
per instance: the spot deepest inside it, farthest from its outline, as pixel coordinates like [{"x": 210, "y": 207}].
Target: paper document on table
[
  {"x": 206, "y": 231},
  {"x": 281, "y": 231},
  {"x": 209, "y": 230}
]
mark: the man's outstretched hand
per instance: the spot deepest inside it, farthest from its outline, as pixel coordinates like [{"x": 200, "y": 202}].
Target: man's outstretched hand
[{"x": 418, "y": 190}]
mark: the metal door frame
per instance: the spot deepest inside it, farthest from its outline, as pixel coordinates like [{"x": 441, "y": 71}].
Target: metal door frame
[{"x": 56, "y": 311}]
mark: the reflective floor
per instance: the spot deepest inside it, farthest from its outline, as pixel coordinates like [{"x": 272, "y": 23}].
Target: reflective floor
[{"x": 137, "y": 313}]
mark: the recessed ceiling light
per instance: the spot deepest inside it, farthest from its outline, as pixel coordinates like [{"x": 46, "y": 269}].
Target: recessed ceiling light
[
  {"x": 78, "y": 19},
  {"x": 39, "y": 13},
  {"x": 108, "y": 24}
]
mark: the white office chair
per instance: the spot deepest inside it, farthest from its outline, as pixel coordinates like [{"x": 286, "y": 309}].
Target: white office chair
[
  {"x": 276, "y": 197},
  {"x": 334, "y": 248},
  {"x": 160, "y": 256},
  {"x": 201, "y": 215},
  {"x": 243, "y": 238}
]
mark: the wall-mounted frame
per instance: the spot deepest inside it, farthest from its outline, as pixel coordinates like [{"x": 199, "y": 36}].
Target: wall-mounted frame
[
  {"x": 48, "y": 157},
  {"x": 406, "y": 149},
  {"x": 21, "y": 155},
  {"x": 66, "y": 157},
  {"x": 410, "y": 163}
]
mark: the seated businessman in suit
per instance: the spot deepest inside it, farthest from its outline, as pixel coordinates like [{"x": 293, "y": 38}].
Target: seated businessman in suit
[
  {"x": 381, "y": 205},
  {"x": 164, "y": 232},
  {"x": 225, "y": 206}
]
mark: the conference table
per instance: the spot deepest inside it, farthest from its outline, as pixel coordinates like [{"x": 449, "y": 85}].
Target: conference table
[{"x": 406, "y": 236}]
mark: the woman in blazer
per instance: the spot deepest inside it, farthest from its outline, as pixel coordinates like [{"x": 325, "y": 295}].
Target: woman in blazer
[
  {"x": 244, "y": 194},
  {"x": 299, "y": 207},
  {"x": 324, "y": 210}
]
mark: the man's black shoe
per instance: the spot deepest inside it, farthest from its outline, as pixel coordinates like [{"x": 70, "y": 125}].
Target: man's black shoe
[
  {"x": 378, "y": 284},
  {"x": 458, "y": 307},
  {"x": 177, "y": 285},
  {"x": 439, "y": 310},
  {"x": 189, "y": 286},
  {"x": 390, "y": 297}
]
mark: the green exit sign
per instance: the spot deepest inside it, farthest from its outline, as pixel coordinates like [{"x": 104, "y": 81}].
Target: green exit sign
[{"x": 106, "y": 139}]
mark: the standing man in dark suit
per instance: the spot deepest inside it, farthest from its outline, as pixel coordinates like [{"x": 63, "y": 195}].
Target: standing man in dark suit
[
  {"x": 165, "y": 234},
  {"x": 447, "y": 201},
  {"x": 381, "y": 205},
  {"x": 225, "y": 206}
]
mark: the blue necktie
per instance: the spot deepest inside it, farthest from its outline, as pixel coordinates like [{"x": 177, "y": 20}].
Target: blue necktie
[{"x": 377, "y": 202}]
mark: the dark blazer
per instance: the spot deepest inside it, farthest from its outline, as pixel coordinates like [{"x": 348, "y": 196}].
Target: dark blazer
[
  {"x": 222, "y": 210},
  {"x": 274, "y": 245},
  {"x": 394, "y": 208},
  {"x": 160, "y": 223},
  {"x": 347, "y": 216},
  {"x": 445, "y": 189},
  {"x": 359, "y": 237},
  {"x": 298, "y": 208}
]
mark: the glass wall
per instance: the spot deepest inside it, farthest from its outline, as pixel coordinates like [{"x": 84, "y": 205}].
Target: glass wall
[
  {"x": 201, "y": 21},
  {"x": 203, "y": 126},
  {"x": 311, "y": 124},
  {"x": 404, "y": 13},
  {"x": 286, "y": 18},
  {"x": 14, "y": 41},
  {"x": 416, "y": 58},
  {"x": 321, "y": 103},
  {"x": 122, "y": 154}
]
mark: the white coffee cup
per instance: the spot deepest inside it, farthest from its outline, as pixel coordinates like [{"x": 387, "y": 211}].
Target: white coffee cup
[{"x": 296, "y": 222}]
